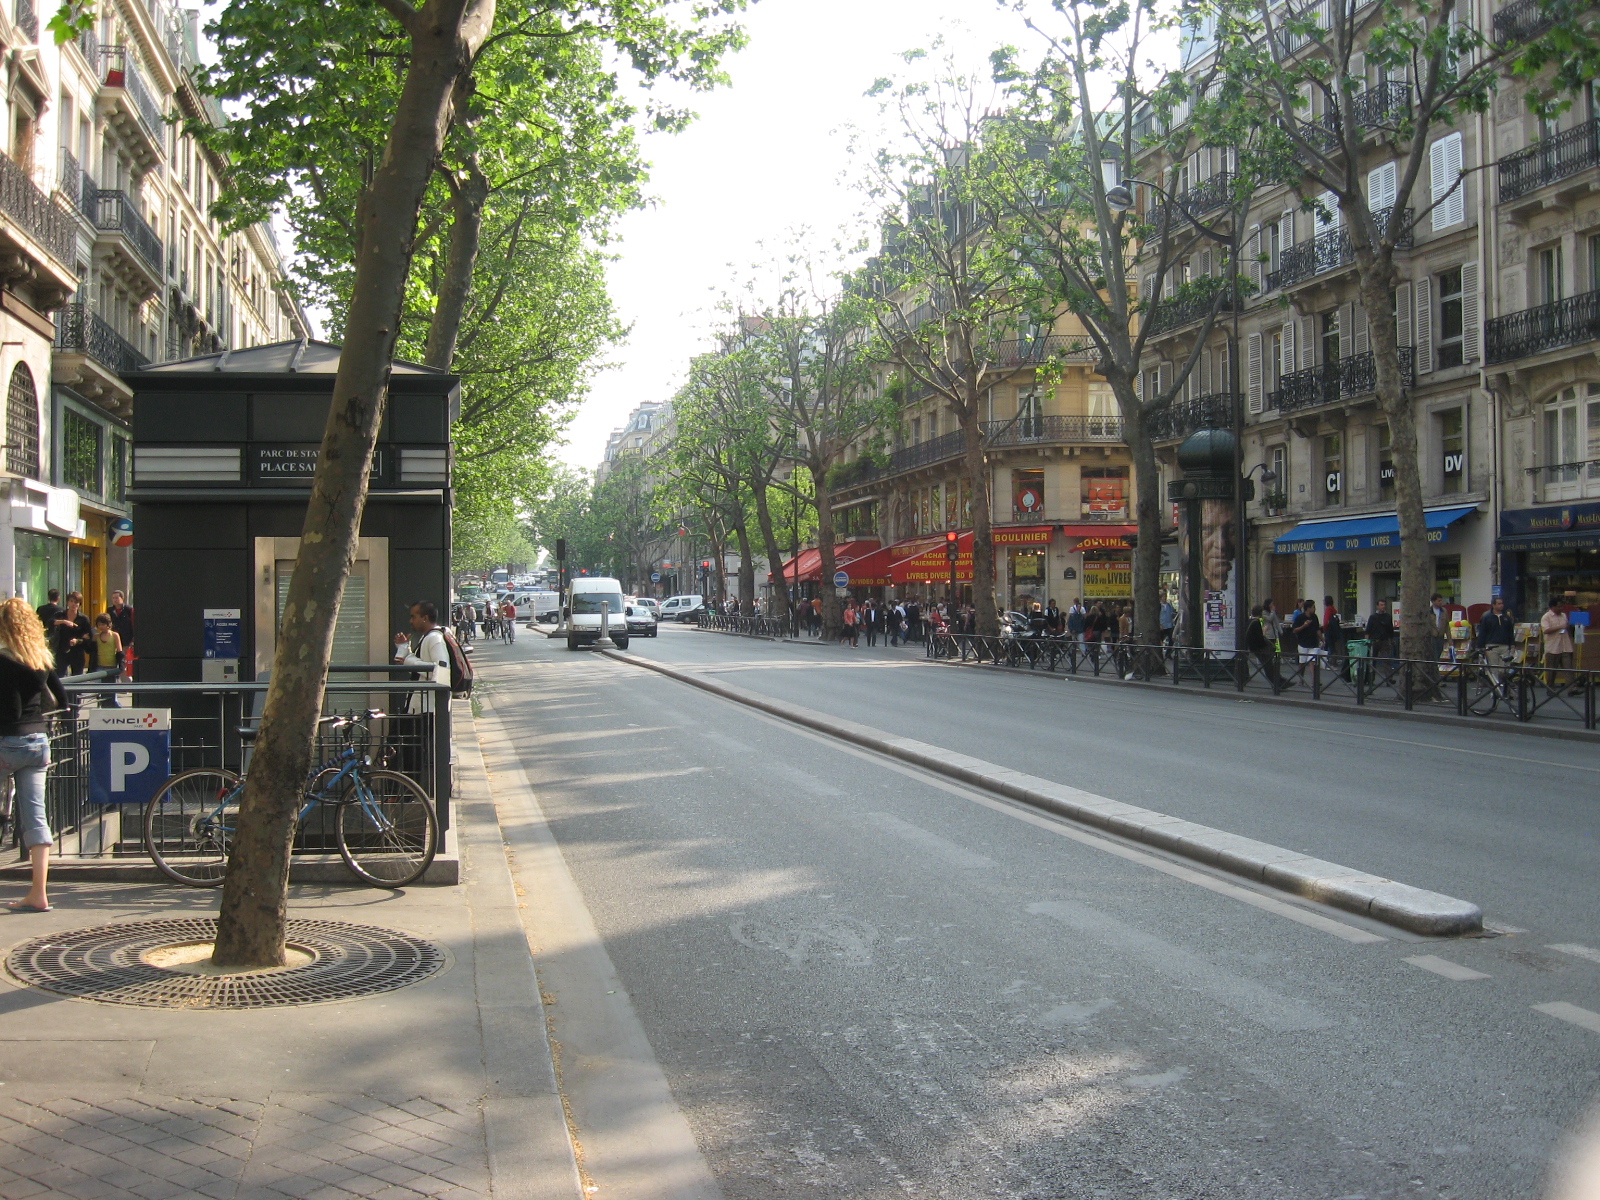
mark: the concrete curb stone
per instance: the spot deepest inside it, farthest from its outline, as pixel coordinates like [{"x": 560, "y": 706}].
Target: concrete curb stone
[{"x": 1412, "y": 908}]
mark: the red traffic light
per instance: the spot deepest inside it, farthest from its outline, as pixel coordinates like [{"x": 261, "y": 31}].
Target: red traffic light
[
  {"x": 951, "y": 536},
  {"x": 706, "y": 564}
]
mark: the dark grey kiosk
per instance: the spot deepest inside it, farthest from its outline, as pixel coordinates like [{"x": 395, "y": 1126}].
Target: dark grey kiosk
[{"x": 224, "y": 447}]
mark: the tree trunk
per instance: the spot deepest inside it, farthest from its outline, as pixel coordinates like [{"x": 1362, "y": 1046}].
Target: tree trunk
[
  {"x": 983, "y": 570},
  {"x": 747, "y": 569},
  {"x": 832, "y": 612},
  {"x": 1416, "y": 577},
  {"x": 779, "y": 604},
  {"x": 467, "y": 203},
  {"x": 254, "y": 912},
  {"x": 1147, "y": 557}
]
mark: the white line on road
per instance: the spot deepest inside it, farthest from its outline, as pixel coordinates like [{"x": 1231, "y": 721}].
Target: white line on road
[
  {"x": 1576, "y": 951},
  {"x": 958, "y": 856},
  {"x": 1271, "y": 904},
  {"x": 1444, "y": 967},
  {"x": 1572, "y": 1014}
]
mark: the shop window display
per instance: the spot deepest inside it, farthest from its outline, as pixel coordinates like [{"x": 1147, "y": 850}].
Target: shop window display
[{"x": 1104, "y": 493}]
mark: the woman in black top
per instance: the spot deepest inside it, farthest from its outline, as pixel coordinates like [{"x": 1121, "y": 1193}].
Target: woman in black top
[
  {"x": 70, "y": 637},
  {"x": 29, "y": 689}
]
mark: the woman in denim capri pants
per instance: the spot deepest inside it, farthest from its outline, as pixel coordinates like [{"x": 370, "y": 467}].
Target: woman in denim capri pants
[{"x": 29, "y": 688}]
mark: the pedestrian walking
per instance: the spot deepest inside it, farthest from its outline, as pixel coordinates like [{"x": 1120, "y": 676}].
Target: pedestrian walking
[
  {"x": 1262, "y": 647},
  {"x": 1380, "y": 631},
  {"x": 1272, "y": 624},
  {"x": 50, "y": 611},
  {"x": 122, "y": 621},
  {"x": 70, "y": 637},
  {"x": 1559, "y": 649},
  {"x": 1307, "y": 632},
  {"x": 1077, "y": 620},
  {"x": 893, "y": 618},
  {"x": 913, "y": 621},
  {"x": 1496, "y": 635},
  {"x": 1169, "y": 619},
  {"x": 106, "y": 652},
  {"x": 874, "y": 622},
  {"x": 1125, "y": 625},
  {"x": 1332, "y": 628},
  {"x": 1438, "y": 626},
  {"x": 1054, "y": 622},
  {"x": 29, "y": 688},
  {"x": 852, "y": 628}
]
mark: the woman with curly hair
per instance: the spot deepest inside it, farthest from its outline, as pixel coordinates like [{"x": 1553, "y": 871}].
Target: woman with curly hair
[{"x": 28, "y": 689}]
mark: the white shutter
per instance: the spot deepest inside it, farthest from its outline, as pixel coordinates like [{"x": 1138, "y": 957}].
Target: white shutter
[
  {"x": 1347, "y": 329},
  {"x": 1149, "y": 288},
  {"x": 1328, "y": 215},
  {"x": 1286, "y": 230},
  {"x": 1308, "y": 342},
  {"x": 1358, "y": 68},
  {"x": 1286, "y": 366},
  {"x": 1470, "y": 329},
  {"x": 1382, "y": 184},
  {"x": 1163, "y": 379},
  {"x": 1222, "y": 369},
  {"x": 1402, "y": 316},
  {"x": 1424, "y": 326},
  {"x": 1444, "y": 168},
  {"x": 1257, "y": 270},
  {"x": 1363, "y": 337},
  {"x": 1205, "y": 263},
  {"x": 1202, "y": 372},
  {"x": 1254, "y": 356},
  {"x": 1138, "y": 385}
]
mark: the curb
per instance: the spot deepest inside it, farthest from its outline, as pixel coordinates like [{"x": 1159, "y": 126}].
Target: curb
[
  {"x": 1415, "y": 909},
  {"x": 443, "y": 871}
]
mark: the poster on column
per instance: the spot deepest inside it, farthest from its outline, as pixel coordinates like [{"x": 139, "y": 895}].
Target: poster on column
[{"x": 1219, "y": 596}]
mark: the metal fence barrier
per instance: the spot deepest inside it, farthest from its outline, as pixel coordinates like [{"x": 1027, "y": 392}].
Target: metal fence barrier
[
  {"x": 412, "y": 737},
  {"x": 1510, "y": 693},
  {"x": 767, "y": 627}
]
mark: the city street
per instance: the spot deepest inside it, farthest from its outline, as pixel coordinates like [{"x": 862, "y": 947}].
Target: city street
[{"x": 861, "y": 980}]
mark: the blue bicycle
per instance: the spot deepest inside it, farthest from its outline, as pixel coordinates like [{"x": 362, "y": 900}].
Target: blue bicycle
[{"x": 383, "y": 822}]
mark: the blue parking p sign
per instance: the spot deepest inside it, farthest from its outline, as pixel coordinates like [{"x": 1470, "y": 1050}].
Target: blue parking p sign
[{"x": 130, "y": 753}]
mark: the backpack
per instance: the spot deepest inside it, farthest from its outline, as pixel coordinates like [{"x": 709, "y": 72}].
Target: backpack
[{"x": 460, "y": 668}]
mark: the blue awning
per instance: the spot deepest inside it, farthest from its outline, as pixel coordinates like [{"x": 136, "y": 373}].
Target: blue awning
[{"x": 1376, "y": 532}]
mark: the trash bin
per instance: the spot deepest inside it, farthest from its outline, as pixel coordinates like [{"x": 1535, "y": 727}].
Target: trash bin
[{"x": 1360, "y": 653}]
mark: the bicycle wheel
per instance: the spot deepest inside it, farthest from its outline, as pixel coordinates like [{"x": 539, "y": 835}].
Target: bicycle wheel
[
  {"x": 1483, "y": 692},
  {"x": 189, "y": 824},
  {"x": 387, "y": 831}
]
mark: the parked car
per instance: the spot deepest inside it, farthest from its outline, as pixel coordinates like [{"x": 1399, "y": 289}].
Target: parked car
[
  {"x": 682, "y": 608},
  {"x": 641, "y": 619},
  {"x": 649, "y": 602}
]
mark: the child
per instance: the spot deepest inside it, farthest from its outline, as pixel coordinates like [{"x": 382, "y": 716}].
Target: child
[{"x": 106, "y": 646}]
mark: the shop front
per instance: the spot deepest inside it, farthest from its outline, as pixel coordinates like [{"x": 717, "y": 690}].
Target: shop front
[
  {"x": 48, "y": 541},
  {"x": 1356, "y": 560},
  {"x": 1549, "y": 553},
  {"x": 1097, "y": 564},
  {"x": 1022, "y": 555}
]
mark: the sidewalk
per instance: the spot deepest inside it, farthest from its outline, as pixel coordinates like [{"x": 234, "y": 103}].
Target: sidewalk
[{"x": 441, "y": 1089}]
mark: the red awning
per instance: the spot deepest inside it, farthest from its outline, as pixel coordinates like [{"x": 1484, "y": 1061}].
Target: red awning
[
  {"x": 928, "y": 563},
  {"x": 866, "y": 568},
  {"x": 810, "y": 561},
  {"x": 1097, "y": 530}
]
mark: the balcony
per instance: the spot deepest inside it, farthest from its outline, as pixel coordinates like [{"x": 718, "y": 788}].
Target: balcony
[
  {"x": 1329, "y": 251},
  {"x": 127, "y": 102},
  {"x": 30, "y": 222},
  {"x": 91, "y": 357},
  {"x": 1186, "y": 310},
  {"x": 1548, "y": 327},
  {"x": 1567, "y": 481},
  {"x": 1043, "y": 430},
  {"x": 1549, "y": 160},
  {"x": 1054, "y": 346},
  {"x": 1215, "y": 410},
  {"x": 1205, "y": 197},
  {"x": 1328, "y": 383},
  {"x": 1521, "y": 21},
  {"x": 120, "y": 224},
  {"x": 907, "y": 458}
]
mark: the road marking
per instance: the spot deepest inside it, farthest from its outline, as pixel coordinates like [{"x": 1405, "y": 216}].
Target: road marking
[
  {"x": 1576, "y": 951},
  {"x": 1444, "y": 967},
  {"x": 955, "y": 855},
  {"x": 1283, "y": 908},
  {"x": 1571, "y": 1013}
]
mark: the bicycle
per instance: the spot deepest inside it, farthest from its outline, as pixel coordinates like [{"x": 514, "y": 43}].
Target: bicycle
[
  {"x": 1490, "y": 683},
  {"x": 386, "y": 828}
]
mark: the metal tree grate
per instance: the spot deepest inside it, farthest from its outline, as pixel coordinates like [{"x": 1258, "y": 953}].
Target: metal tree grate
[{"x": 106, "y": 963}]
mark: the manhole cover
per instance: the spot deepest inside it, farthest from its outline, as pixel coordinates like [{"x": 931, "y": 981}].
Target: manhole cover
[{"x": 118, "y": 964}]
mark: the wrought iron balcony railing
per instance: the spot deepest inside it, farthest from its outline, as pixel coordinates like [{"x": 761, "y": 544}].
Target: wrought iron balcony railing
[
  {"x": 1205, "y": 197},
  {"x": 1548, "y": 327},
  {"x": 1342, "y": 379},
  {"x": 1215, "y": 410},
  {"x": 80, "y": 330},
  {"x": 1329, "y": 251},
  {"x": 1185, "y": 310},
  {"x": 1032, "y": 430},
  {"x": 1521, "y": 21},
  {"x": 1382, "y": 106},
  {"x": 69, "y": 179},
  {"x": 119, "y": 70},
  {"x": 35, "y": 213},
  {"x": 115, "y": 212},
  {"x": 1019, "y": 351},
  {"x": 1557, "y": 157}
]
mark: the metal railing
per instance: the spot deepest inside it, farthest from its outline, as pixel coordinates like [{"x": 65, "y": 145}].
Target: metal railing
[
  {"x": 1521, "y": 21},
  {"x": 206, "y": 720},
  {"x": 1567, "y": 481},
  {"x": 1204, "y": 197},
  {"x": 81, "y": 330},
  {"x": 1547, "y": 327},
  {"x": 1513, "y": 694},
  {"x": 1064, "y": 347},
  {"x": 120, "y": 70},
  {"x": 761, "y": 627},
  {"x": 1556, "y": 157},
  {"x": 69, "y": 178},
  {"x": 1028, "y": 430},
  {"x": 1185, "y": 310},
  {"x": 1330, "y": 250},
  {"x": 907, "y": 458},
  {"x": 1328, "y": 383},
  {"x": 1215, "y": 410},
  {"x": 1381, "y": 105},
  {"x": 40, "y": 217},
  {"x": 115, "y": 212}
]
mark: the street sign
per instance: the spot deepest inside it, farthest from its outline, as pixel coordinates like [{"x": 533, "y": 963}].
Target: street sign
[
  {"x": 841, "y": 579},
  {"x": 655, "y": 576},
  {"x": 841, "y": 592},
  {"x": 130, "y": 753},
  {"x": 1496, "y": 592},
  {"x": 222, "y": 632}
]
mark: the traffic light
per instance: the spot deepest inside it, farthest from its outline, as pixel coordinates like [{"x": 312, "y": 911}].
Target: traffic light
[{"x": 951, "y": 544}]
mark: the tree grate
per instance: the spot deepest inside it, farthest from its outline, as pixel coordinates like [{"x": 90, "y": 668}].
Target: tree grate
[{"x": 106, "y": 964}]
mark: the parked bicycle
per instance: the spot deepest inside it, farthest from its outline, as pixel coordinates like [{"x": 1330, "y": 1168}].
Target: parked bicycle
[{"x": 386, "y": 829}]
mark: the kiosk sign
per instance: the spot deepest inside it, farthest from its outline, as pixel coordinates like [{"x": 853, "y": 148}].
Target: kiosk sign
[{"x": 130, "y": 753}]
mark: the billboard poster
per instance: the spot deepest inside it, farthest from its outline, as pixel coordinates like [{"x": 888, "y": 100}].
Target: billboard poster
[{"x": 1218, "y": 551}]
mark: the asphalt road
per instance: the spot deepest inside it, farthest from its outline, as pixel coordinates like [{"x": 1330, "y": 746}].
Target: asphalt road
[{"x": 861, "y": 981}]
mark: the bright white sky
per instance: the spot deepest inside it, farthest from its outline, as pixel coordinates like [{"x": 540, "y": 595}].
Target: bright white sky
[{"x": 765, "y": 156}]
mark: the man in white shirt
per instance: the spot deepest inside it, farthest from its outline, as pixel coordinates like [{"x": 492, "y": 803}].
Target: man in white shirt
[{"x": 431, "y": 651}]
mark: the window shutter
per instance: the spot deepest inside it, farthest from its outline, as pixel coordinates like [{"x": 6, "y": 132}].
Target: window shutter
[
  {"x": 1363, "y": 339},
  {"x": 1382, "y": 184},
  {"x": 1138, "y": 385},
  {"x": 1424, "y": 326},
  {"x": 1149, "y": 288},
  {"x": 1163, "y": 379},
  {"x": 1347, "y": 329},
  {"x": 1470, "y": 330},
  {"x": 1402, "y": 316},
  {"x": 1205, "y": 263},
  {"x": 1444, "y": 168},
  {"x": 1202, "y": 371},
  {"x": 1256, "y": 268},
  {"x": 1254, "y": 369},
  {"x": 1308, "y": 342},
  {"x": 1358, "y": 69},
  {"x": 1286, "y": 230},
  {"x": 1286, "y": 366},
  {"x": 1328, "y": 215}
]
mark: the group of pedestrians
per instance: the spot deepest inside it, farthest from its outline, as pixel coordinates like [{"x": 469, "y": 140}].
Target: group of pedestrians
[
  {"x": 897, "y": 623},
  {"x": 78, "y": 645}
]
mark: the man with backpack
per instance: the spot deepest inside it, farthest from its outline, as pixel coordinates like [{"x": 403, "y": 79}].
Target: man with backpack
[{"x": 435, "y": 650}]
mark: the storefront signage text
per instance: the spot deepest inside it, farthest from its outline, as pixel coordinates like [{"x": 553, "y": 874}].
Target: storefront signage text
[{"x": 1371, "y": 541}]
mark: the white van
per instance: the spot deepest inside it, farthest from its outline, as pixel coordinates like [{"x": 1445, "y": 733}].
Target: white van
[
  {"x": 582, "y": 611},
  {"x": 681, "y": 608}
]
